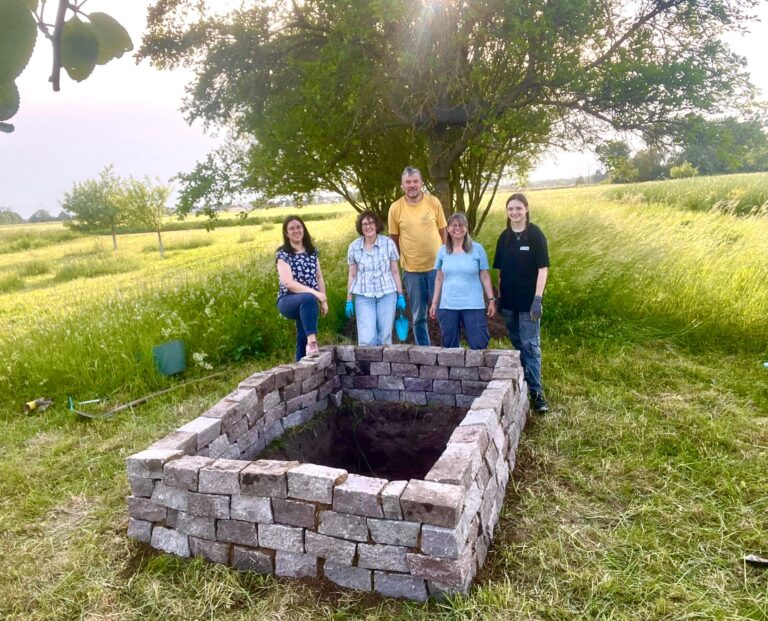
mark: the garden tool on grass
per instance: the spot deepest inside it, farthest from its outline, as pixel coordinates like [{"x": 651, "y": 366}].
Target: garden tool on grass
[
  {"x": 38, "y": 405},
  {"x": 401, "y": 327}
]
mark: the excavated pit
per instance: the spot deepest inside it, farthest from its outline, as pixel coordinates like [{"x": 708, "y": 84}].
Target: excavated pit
[{"x": 395, "y": 441}]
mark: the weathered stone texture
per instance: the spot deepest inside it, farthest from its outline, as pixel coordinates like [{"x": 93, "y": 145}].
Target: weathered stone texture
[
  {"x": 353, "y": 527},
  {"x": 339, "y": 550},
  {"x": 170, "y": 541},
  {"x": 315, "y": 483},
  {"x": 279, "y": 537},
  {"x": 149, "y": 463},
  {"x": 294, "y": 512},
  {"x": 236, "y": 531},
  {"x": 209, "y": 505},
  {"x": 293, "y": 565},
  {"x": 390, "y": 499},
  {"x": 212, "y": 551},
  {"x": 401, "y": 586},
  {"x": 183, "y": 473},
  {"x": 141, "y": 530},
  {"x": 359, "y": 495},
  {"x": 396, "y": 533},
  {"x": 432, "y": 503},
  {"x": 257, "y": 561},
  {"x": 347, "y": 576},
  {"x": 221, "y": 477},
  {"x": 251, "y": 509},
  {"x": 146, "y": 509},
  {"x": 266, "y": 477},
  {"x": 390, "y": 558}
]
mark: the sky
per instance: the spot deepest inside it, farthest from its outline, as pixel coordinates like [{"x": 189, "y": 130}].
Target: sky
[{"x": 128, "y": 115}]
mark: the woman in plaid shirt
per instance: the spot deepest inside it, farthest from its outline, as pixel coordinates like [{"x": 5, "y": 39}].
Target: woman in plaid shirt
[{"x": 374, "y": 289}]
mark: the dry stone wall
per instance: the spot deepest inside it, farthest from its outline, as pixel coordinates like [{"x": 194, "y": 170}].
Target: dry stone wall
[{"x": 201, "y": 491}]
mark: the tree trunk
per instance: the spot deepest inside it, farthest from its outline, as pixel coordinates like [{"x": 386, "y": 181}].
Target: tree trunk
[
  {"x": 440, "y": 172},
  {"x": 160, "y": 244},
  {"x": 114, "y": 239}
]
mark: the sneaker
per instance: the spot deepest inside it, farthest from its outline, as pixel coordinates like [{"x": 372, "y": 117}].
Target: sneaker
[
  {"x": 313, "y": 351},
  {"x": 539, "y": 403}
]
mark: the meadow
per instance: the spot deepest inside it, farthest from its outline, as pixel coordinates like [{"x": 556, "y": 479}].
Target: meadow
[{"x": 635, "y": 498}]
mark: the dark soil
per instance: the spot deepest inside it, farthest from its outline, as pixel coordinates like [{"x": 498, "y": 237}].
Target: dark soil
[{"x": 395, "y": 441}]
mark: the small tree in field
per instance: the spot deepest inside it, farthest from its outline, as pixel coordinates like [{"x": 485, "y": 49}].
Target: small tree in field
[
  {"x": 97, "y": 204},
  {"x": 41, "y": 215},
  {"x": 683, "y": 170},
  {"x": 146, "y": 203}
]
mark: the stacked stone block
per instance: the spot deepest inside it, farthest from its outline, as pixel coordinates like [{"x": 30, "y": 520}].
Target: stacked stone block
[{"x": 201, "y": 491}]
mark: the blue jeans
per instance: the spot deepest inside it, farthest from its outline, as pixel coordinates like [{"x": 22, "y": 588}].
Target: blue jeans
[
  {"x": 302, "y": 308},
  {"x": 375, "y": 317},
  {"x": 525, "y": 336},
  {"x": 475, "y": 327},
  {"x": 420, "y": 287}
]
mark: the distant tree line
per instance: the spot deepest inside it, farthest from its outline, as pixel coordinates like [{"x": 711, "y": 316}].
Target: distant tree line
[
  {"x": 41, "y": 215},
  {"x": 698, "y": 147}
]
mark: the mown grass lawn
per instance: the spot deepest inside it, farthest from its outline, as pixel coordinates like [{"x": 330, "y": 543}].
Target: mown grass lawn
[{"x": 635, "y": 498}]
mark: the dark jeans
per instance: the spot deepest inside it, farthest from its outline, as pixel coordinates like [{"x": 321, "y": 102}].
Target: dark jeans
[
  {"x": 302, "y": 308},
  {"x": 420, "y": 287},
  {"x": 525, "y": 336},
  {"x": 475, "y": 327}
]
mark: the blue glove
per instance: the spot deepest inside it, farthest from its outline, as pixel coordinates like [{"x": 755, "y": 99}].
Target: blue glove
[
  {"x": 400, "y": 303},
  {"x": 536, "y": 308},
  {"x": 349, "y": 309}
]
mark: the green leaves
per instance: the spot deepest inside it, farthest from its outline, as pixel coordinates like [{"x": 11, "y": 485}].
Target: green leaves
[
  {"x": 79, "y": 49},
  {"x": 18, "y": 32},
  {"x": 113, "y": 39},
  {"x": 9, "y": 100},
  {"x": 86, "y": 44}
]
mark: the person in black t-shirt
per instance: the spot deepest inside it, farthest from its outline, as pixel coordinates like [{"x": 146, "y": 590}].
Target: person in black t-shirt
[{"x": 523, "y": 262}]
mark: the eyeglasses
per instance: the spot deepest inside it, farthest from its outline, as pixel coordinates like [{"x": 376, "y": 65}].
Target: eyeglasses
[
  {"x": 457, "y": 225},
  {"x": 368, "y": 223}
]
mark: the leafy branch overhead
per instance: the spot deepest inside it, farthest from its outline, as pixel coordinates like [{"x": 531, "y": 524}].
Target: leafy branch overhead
[{"x": 80, "y": 41}]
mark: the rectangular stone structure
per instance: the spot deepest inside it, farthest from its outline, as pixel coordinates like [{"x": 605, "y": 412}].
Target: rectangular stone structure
[{"x": 201, "y": 490}]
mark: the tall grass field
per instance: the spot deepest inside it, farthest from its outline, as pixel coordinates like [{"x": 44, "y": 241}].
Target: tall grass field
[{"x": 636, "y": 497}]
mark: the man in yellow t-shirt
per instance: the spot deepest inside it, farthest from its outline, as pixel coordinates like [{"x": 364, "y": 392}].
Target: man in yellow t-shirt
[{"x": 417, "y": 225}]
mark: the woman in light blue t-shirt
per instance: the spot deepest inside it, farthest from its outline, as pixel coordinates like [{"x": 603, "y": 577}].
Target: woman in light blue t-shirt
[{"x": 462, "y": 276}]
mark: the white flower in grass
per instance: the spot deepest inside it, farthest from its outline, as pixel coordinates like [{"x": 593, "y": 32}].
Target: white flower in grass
[{"x": 199, "y": 358}]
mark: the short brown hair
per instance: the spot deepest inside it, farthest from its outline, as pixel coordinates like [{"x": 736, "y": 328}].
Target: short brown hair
[{"x": 364, "y": 215}]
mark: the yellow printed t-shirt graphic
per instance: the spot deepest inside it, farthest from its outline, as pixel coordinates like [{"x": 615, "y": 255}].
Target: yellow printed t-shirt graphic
[{"x": 418, "y": 227}]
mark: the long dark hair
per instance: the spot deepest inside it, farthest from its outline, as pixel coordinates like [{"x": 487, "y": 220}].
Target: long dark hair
[
  {"x": 309, "y": 247},
  {"x": 522, "y": 198}
]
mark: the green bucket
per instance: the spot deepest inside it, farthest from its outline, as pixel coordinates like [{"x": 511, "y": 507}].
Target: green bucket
[{"x": 171, "y": 357}]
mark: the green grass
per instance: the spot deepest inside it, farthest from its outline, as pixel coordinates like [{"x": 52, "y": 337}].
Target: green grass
[
  {"x": 94, "y": 267},
  {"x": 36, "y": 267},
  {"x": 743, "y": 195},
  {"x": 186, "y": 243},
  {"x": 8, "y": 284},
  {"x": 20, "y": 238},
  {"x": 635, "y": 498}
]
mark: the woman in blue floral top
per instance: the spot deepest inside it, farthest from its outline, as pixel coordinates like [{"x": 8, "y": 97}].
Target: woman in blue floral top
[
  {"x": 374, "y": 288},
  {"x": 301, "y": 285}
]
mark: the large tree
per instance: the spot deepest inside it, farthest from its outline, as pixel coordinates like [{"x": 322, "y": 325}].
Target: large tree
[{"x": 323, "y": 87}]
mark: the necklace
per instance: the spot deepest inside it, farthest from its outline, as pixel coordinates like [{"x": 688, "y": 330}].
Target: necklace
[{"x": 518, "y": 234}]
